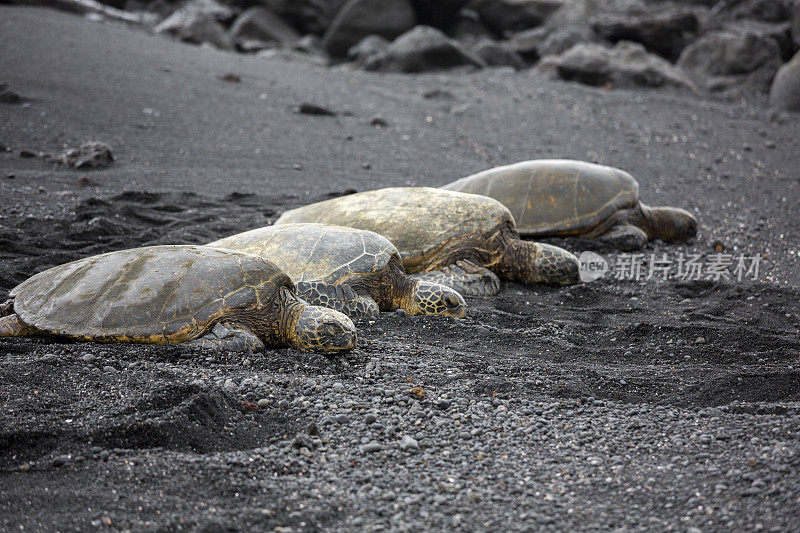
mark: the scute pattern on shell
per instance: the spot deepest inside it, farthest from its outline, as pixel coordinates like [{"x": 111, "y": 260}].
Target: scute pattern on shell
[
  {"x": 555, "y": 197},
  {"x": 316, "y": 252},
  {"x": 158, "y": 294}
]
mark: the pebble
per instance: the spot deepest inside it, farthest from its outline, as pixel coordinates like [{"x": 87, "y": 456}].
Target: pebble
[
  {"x": 372, "y": 447},
  {"x": 109, "y": 369},
  {"x": 87, "y": 358},
  {"x": 263, "y": 402},
  {"x": 229, "y": 384},
  {"x": 409, "y": 443}
]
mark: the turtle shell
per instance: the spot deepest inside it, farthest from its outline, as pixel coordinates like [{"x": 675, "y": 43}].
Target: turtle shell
[
  {"x": 419, "y": 221},
  {"x": 555, "y": 197},
  {"x": 316, "y": 252},
  {"x": 159, "y": 294}
]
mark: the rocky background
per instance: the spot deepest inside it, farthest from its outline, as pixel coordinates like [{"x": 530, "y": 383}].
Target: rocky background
[
  {"x": 731, "y": 47},
  {"x": 613, "y": 405}
]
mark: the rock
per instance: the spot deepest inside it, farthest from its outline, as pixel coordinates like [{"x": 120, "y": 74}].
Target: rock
[
  {"x": 723, "y": 60},
  {"x": 87, "y": 358},
  {"x": 229, "y": 385},
  {"x": 195, "y": 27},
  {"x": 302, "y": 440},
  {"x": 367, "y": 47},
  {"x": 372, "y": 447},
  {"x": 90, "y": 154},
  {"x": 423, "y": 49},
  {"x": 796, "y": 25},
  {"x": 409, "y": 443},
  {"x": 260, "y": 24},
  {"x": 7, "y": 96},
  {"x": 785, "y": 92},
  {"x": 539, "y": 42},
  {"x": 626, "y": 65},
  {"x": 780, "y": 32},
  {"x": 665, "y": 33},
  {"x": 309, "y": 16},
  {"x": 311, "y": 45},
  {"x": 359, "y": 18},
  {"x": 437, "y": 13},
  {"x": 468, "y": 27},
  {"x": 505, "y": 16},
  {"x": 312, "y": 109},
  {"x": 766, "y": 10},
  {"x": 497, "y": 54},
  {"x": 262, "y": 403}
]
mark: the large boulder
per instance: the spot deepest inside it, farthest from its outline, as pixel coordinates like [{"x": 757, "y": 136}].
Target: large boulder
[
  {"x": 665, "y": 33},
  {"x": 780, "y": 32},
  {"x": 468, "y": 28},
  {"x": 195, "y": 27},
  {"x": 261, "y": 25},
  {"x": 359, "y": 18},
  {"x": 628, "y": 64},
  {"x": 369, "y": 46},
  {"x": 496, "y": 54},
  {"x": 796, "y": 25},
  {"x": 785, "y": 92},
  {"x": 721, "y": 61},
  {"x": 437, "y": 13},
  {"x": 766, "y": 10},
  {"x": 507, "y": 16},
  {"x": 423, "y": 49},
  {"x": 308, "y": 16}
]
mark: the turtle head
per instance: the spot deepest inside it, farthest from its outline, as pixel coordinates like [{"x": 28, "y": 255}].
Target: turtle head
[
  {"x": 533, "y": 262},
  {"x": 323, "y": 330},
  {"x": 670, "y": 224},
  {"x": 429, "y": 298}
]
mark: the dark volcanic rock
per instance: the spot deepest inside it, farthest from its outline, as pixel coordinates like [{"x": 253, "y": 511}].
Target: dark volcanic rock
[
  {"x": 626, "y": 65},
  {"x": 260, "y": 24},
  {"x": 663, "y": 33},
  {"x": 723, "y": 60},
  {"x": 780, "y": 32},
  {"x": 423, "y": 49},
  {"x": 543, "y": 41},
  {"x": 766, "y": 10},
  {"x": 7, "y": 96},
  {"x": 195, "y": 27},
  {"x": 90, "y": 154},
  {"x": 438, "y": 13},
  {"x": 785, "y": 92},
  {"x": 497, "y": 54},
  {"x": 796, "y": 25},
  {"x": 505, "y": 16},
  {"x": 311, "y": 16},
  {"x": 359, "y": 18}
]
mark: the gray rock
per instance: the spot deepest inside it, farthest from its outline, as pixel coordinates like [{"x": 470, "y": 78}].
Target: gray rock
[
  {"x": 423, "y": 49},
  {"x": 468, "y": 27},
  {"x": 90, "y": 154},
  {"x": 371, "y": 447},
  {"x": 230, "y": 385},
  {"x": 626, "y": 65},
  {"x": 87, "y": 358},
  {"x": 263, "y": 402},
  {"x": 260, "y": 24},
  {"x": 409, "y": 443},
  {"x": 312, "y": 45},
  {"x": 766, "y": 10},
  {"x": 7, "y": 96},
  {"x": 796, "y": 25},
  {"x": 780, "y": 32},
  {"x": 366, "y": 48},
  {"x": 359, "y": 18},
  {"x": 544, "y": 41},
  {"x": 722, "y": 60},
  {"x": 665, "y": 33},
  {"x": 506, "y": 16},
  {"x": 195, "y": 27},
  {"x": 785, "y": 92},
  {"x": 497, "y": 54}
]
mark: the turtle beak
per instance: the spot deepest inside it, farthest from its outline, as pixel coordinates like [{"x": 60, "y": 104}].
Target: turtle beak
[{"x": 456, "y": 307}]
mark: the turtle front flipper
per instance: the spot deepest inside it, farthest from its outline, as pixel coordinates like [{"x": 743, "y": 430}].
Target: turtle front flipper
[
  {"x": 230, "y": 338},
  {"x": 12, "y": 326},
  {"x": 339, "y": 297},
  {"x": 465, "y": 277},
  {"x": 624, "y": 237}
]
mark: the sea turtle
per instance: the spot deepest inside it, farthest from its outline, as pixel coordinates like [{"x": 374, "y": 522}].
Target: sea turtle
[
  {"x": 354, "y": 271},
  {"x": 464, "y": 241},
  {"x": 174, "y": 294},
  {"x": 553, "y": 197}
]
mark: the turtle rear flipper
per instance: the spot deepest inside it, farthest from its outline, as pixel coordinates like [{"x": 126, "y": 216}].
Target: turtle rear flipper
[
  {"x": 339, "y": 297},
  {"x": 12, "y": 326},
  {"x": 230, "y": 338},
  {"x": 624, "y": 237},
  {"x": 465, "y": 277}
]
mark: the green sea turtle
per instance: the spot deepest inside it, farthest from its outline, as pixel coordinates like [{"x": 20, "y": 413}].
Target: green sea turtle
[
  {"x": 354, "y": 271},
  {"x": 174, "y": 294},
  {"x": 553, "y": 197},
  {"x": 464, "y": 241}
]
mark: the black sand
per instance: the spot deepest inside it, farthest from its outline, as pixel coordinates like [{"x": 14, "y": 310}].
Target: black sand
[{"x": 659, "y": 405}]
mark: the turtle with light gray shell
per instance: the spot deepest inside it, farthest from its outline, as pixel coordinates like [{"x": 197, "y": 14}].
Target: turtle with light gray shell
[
  {"x": 174, "y": 294},
  {"x": 565, "y": 198},
  {"x": 354, "y": 271},
  {"x": 464, "y": 241}
]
